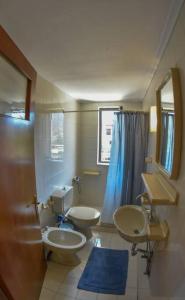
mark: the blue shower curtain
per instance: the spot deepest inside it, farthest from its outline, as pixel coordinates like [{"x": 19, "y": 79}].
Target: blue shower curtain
[{"x": 127, "y": 162}]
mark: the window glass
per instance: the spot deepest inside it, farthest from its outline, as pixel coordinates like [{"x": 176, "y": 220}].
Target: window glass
[
  {"x": 57, "y": 136},
  {"x": 106, "y": 120}
]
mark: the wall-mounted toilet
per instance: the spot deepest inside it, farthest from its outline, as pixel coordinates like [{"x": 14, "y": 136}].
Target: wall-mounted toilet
[
  {"x": 63, "y": 244},
  {"x": 82, "y": 217}
]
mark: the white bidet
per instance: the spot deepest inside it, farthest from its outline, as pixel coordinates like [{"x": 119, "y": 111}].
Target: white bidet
[{"x": 64, "y": 244}]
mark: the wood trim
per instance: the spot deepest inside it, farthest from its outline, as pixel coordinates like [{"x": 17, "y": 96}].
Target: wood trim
[
  {"x": 28, "y": 99},
  {"x": 13, "y": 54},
  {"x": 158, "y": 134},
  {"x": 178, "y": 123},
  {"x": 9, "y": 49},
  {"x": 174, "y": 74}
]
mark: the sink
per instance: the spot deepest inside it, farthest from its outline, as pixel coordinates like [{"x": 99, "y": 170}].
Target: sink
[{"x": 131, "y": 222}]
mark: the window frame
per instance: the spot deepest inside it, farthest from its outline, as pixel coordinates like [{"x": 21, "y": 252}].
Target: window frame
[{"x": 99, "y": 143}]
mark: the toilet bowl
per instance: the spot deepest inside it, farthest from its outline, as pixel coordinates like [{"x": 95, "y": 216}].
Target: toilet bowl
[
  {"x": 64, "y": 244},
  {"x": 83, "y": 218}
]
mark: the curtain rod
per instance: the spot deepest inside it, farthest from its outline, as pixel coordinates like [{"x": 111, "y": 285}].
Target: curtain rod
[
  {"x": 79, "y": 111},
  {"x": 97, "y": 110},
  {"x": 120, "y": 108},
  {"x": 132, "y": 111}
]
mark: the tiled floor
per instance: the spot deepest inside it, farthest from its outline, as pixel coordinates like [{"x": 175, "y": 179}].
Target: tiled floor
[{"x": 61, "y": 282}]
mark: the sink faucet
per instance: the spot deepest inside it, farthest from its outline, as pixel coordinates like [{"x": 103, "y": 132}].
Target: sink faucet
[{"x": 151, "y": 211}]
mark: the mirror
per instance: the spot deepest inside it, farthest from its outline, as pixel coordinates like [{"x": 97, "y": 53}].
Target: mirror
[
  {"x": 13, "y": 89},
  {"x": 17, "y": 80},
  {"x": 169, "y": 126}
]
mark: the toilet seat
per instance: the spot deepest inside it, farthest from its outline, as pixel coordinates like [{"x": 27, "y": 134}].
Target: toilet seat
[{"x": 83, "y": 213}]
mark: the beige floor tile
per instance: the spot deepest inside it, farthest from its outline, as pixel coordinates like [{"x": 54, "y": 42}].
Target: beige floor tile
[
  {"x": 51, "y": 284},
  {"x": 106, "y": 297},
  {"x": 153, "y": 298},
  {"x": 119, "y": 243},
  {"x": 85, "y": 295},
  {"x": 131, "y": 294},
  {"x": 69, "y": 290},
  {"x": 133, "y": 262},
  {"x": 85, "y": 251},
  {"x": 55, "y": 275},
  {"x": 102, "y": 239},
  {"x": 126, "y": 297},
  {"x": 76, "y": 271},
  {"x": 145, "y": 294},
  {"x": 63, "y": 297},
  {"x": 56, "y": 267},
  {"x": 132, "y": 279},
  {"x": 143, "y": 281},
  {"x": 71, "y": 280},
  {"x": 47, "y": 295}
]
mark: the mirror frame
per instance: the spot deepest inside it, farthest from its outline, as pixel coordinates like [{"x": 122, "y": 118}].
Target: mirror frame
[
  {"x": 174, "y": 75},
  {"x": 14, "y": 56}
]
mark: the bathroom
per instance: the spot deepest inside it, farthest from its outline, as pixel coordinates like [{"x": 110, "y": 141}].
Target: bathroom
[{"x": 78, "y": 124}]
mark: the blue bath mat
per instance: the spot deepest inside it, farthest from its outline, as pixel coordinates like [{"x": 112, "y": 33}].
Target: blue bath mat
[{"x": 105, "y": 272}]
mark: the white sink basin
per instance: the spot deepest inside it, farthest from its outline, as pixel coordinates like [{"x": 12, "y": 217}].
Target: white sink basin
[{"x": 131, "y": 222}]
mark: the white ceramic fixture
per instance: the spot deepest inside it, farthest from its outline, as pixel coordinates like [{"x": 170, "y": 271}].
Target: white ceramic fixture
[
  {"x": 64, "y": 244},
  {"x": 131, "y": 222},
  {"x": 83, "y": 218}
]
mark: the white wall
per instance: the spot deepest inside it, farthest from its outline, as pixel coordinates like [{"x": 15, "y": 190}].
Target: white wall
[
  {"x": 93, "y": 187},
  {"x": 167, "y": 280},
  {"x": 50, "y": 173}
]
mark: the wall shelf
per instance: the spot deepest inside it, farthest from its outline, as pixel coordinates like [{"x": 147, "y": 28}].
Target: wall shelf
[
  {"x": 159, "y": 190},
  {"x": 91, "y": 172}
]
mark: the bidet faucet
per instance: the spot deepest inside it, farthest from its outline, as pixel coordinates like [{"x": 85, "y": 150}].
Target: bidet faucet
[{"x": 44, "y": 228}]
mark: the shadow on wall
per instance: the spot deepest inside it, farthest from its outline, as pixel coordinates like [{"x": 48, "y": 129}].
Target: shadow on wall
[
  {"x": 173, "y": 265},
  {"x": 159, "y": 284}
]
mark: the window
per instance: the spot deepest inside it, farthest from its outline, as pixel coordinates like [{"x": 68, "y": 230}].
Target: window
[
  {"x": 105, "y": 127},
  {"x": 57, "y": 136}
]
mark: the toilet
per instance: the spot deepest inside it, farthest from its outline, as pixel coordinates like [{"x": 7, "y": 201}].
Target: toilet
[
  {"x": 81, "y": 216},
  {"x": 63, "y": 244}
]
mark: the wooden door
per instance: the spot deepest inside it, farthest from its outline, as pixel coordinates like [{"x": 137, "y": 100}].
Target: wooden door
[{"x": 22, "y": 263}]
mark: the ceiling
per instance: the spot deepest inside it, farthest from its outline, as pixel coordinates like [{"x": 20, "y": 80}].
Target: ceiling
[{"x": 92, "y": 49}]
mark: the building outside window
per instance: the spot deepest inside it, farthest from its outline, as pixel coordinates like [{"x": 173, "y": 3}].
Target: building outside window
[
  {"x": 57, "y": 136},
  {"x": 105, "y": 128}
]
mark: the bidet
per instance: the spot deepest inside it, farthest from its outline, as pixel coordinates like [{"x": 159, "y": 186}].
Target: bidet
[{"x": 63, "y": 245}]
